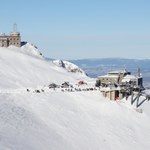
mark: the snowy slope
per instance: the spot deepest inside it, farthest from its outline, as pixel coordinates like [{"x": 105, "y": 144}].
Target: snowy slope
[
  {"x": 56, "y": 120},
  {"x": 32, "y": 50},
  {"x": 70, "y": 121},
  {"x": 70, "y": 67},
  {"x": 25, "y": 67}
]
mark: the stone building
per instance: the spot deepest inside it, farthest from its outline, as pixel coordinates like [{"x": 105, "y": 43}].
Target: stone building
[
  {"x": 113, "y": 77},
  {"x": 13, "y": 39},
  {"x": 118, "y": 84}
]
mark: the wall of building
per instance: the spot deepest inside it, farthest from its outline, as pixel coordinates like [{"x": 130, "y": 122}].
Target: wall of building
[
  {"x": 12, "y": 39},
  {"x": 107, "y": 80},
  {"x": 3, "y": 42},
  {"x": 110, "y": 94}
]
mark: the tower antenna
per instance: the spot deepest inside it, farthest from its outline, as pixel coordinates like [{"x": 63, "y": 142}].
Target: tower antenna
[
  {"x": 139, "y": 71},
  {"x": 15, "y": 27}
]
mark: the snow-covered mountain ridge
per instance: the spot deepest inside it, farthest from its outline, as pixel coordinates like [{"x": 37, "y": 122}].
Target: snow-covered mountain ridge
[
  {"x": 56, "y": 119},
  {"x": 25, "y": 67},
  {"x": 70, "y": 67}
]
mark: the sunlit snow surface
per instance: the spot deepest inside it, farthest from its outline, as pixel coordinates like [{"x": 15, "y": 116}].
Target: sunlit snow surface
[{"x": 56, "y": 120}]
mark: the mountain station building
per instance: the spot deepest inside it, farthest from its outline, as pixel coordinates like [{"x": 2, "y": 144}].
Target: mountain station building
[
  {"x": 118, "y": 84},
  {"x": 13, "y": 39}
]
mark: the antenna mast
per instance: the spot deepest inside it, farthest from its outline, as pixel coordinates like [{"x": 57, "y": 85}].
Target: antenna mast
[
  {"x": 15, "y": 27},
  {"x": 139, "y": 72}
]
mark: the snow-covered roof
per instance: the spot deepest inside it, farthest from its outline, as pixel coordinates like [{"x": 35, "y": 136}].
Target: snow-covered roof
[
  {"x": 108, "y": 76},
  {"x": 113, "y": 74},
  {"x": 118, "y": 71},
  {"x": 15, "y": 33},
  {"x": 128, "y": 78}
]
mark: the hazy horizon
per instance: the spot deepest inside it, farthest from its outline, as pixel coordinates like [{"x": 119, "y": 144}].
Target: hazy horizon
[{"x": 81, "y": 29}]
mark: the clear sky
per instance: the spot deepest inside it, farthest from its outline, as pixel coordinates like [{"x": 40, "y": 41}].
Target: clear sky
[{"x": 75, "y": 29}]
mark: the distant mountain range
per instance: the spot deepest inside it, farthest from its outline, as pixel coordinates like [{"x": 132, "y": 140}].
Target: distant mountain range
[
  {"x": 122, "y": 62},
  {"x": 100, "y": 66},
  {"x": 96, "y": 67}
]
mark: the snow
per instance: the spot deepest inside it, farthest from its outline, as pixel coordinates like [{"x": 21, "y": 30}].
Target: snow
[
  {"x": 30, "y": 49},
  {"x": 20, "y": 68},
  {"x": 128, "y": 78},
  {"x": 70, "y": 67},
  {"x": 74, "y": 121},
  {"x": 108, "y": 75},
  {"x": 118, "y": 71},
  {"x": 56, "y": 120}
]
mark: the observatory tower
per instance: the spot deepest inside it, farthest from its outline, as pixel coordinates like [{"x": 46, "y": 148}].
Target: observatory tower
[{"x": 13, "y": 39}]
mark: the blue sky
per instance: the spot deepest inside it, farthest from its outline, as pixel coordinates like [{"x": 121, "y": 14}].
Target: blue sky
[{"x": 76, "y": 29}]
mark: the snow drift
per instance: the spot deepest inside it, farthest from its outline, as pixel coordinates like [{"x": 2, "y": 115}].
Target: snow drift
[
  {"x": 70, "y": 67},
  {"x": 25, "y": 67},
  {"x": 55, "y": 120}
]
